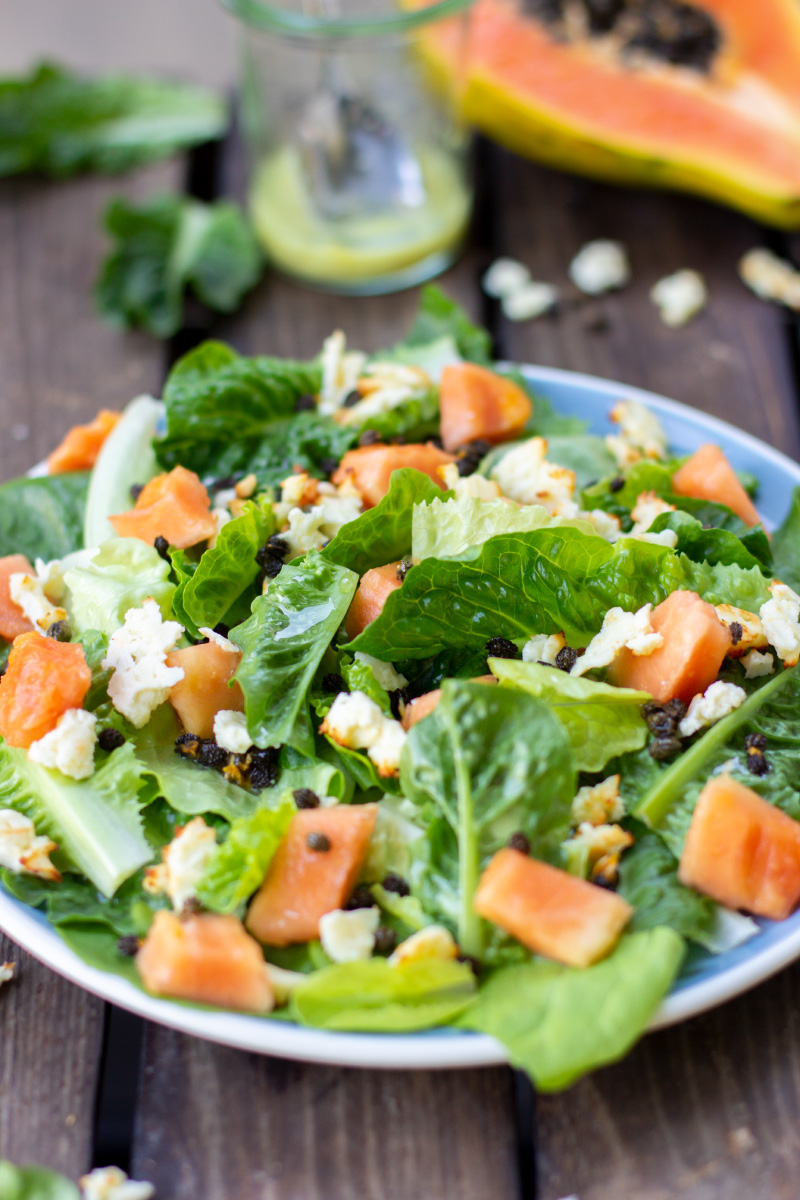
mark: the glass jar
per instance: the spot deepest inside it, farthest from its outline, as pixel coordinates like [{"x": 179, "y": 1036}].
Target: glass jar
[{"x": 358, "y": 173}]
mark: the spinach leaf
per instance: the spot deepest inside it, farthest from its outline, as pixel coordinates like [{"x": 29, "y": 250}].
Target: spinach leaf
[
  {"x": 56, "y": 122},
  {"x": 34, "y": 1183},
  {"x": 43, "y": 517},
  {"x": 716, "y": 545},
  {"x": 489, "y": 762},
  {"x": 76, "y": 901},
  {"x": 601, "y": 721},
  {"x": 786, "y": 545},
  {"x": 383, "y": 534},
  {"x": 237, "y": 867},
  {"x": 438, "y": 317},
  {"x": 648, "y": 880},
  {"x": 169, "y": 244},
  {"x": 558, "y": 1022},
  {"x": 282, "y": 643}
]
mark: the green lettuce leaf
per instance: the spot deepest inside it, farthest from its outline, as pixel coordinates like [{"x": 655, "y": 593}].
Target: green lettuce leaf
[
  {"x": 601, "y": 721},
  {"x": 122, "y": 574},
  {"x": 446, "y": 528},
  {"x": 786, "y": 545},
  {"x": 324, "y": 778},
  {"x": 282, "y": 643},
  {"x": 439, "y": 317},
  {"x": 54, "y": 121},
  {"x": 715, "y": 545},
  {"x": 558, "y": 1022},
  {"x": 34, "y": 1183},
  {"x": 374, "y": 997},
  {"x": 383, "y": 534},
  {"x": 43, "y": 517},
  {"x": 75, "y": 901},
  {"x": 728, "y": 583},
  {"x": 490, "y": 762},
  {"x": 167, "y": 245},
  {"x": 237, "y": 867},
  {"x": 648, "y": 880},
  {"x": 583, "y": 453},
  {"x": 125, "y": 459}
]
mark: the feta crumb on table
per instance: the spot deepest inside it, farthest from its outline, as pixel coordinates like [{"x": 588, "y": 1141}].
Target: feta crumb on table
[
  {"x": 434, "y": 941},
  {"x": 357, "y": 722},
  {"x": 231, "y": 733},
  {"x": 22, "y": 851},
  {"x": 7, "y": 972},
  {"x": 600, "y": 266},
  {"x": 183, "y": 863},
  {"x": 780, "y": 617},
  {"x": 532, "y": 300},
  {"x": 600, "y": 804},
  {"x": 504, "y": 276},
  {"x": 349, "y": 936},
  {"x": 110, "y": 1183},
  {"x": 620, "y": 630},
  {"x": 771, "y": 277},
  {"x": 715, "y": 703},
  {"x": 69, "y": 748},
  {"x": 679, "y": 297}
]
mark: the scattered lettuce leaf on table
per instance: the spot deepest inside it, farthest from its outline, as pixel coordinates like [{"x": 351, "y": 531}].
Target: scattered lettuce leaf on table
[{"x": 43, "y": 517}]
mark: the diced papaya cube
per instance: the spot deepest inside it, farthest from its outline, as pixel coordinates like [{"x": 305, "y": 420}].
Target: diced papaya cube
[
  {"x": 552, "y": 913},
  {"x": 372, "y": 593},
  {"x": 304, "y": 883},
  {"x": 478, "y": 403},
  {"x": 43, "y": 679},
  {"x": 708, "y": 475},
  {"x": 83, "y": 443},
  {"x": 174, "y": 506},
  {"x": 12, "y": 619},
  {"x": 695, "y": 644},
  {"x": 204, "y": 690},
  {"x": 742, "y": 851},
  {"x": 370, "y": 468},
  {"x": 206, "y": 958},
  {"x": 424, "y": 705}
]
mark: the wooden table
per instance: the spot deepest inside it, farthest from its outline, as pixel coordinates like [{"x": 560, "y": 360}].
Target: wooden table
[{"x": 707, "y": 1111}]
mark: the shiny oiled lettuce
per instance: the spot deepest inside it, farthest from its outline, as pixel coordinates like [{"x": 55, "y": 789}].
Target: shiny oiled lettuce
[{"x": 121, "y": 575}]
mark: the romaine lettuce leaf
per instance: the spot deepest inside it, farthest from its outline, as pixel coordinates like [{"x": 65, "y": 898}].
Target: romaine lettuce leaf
[
  {"x": 76, "y": 901},
  {"x": 282, "y": 643},
  {"x": 122, "y": 574},
  {"x": 715, "y": 545},
  {"x": 43, "y": 517},
  {"x": 490, "y": 762},
  {"x": 439, "y": 317},
  {"x": 126, "y": 458},
  {"x": 34, "y": 1183},
  {"x": 727, "y": 583},
  {"x": 786, "y": 545},
  {"x": 237, "y": 867},
  {"x": 558, "y": 1022},
  {"x": 383, "y": 534},
  {"x": 324, "y": 778},
  {"x": 601, "y": 721},
  {"x": 446, "y": 528}
]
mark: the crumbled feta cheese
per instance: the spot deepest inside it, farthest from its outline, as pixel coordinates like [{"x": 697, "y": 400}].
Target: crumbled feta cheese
[
  {"x": 770, "y": 277},
  {"x": 750, "y": 633},
  {"x": 384, "y": 672},
  {"x": 640, "y": 433},
  {"x": 505, "y": 276},
  {"x": 600, "y": 804},
  {"x": 715, "y": 703},
  {"x": 225, "y": 497},
  {"x": 27, "y": 592},
  {"x": 7, "y": 972},
  {"x": 648, "y": 506},
  {"x": 603, "y": 846},
  {"x": 21, "y": 851},
  {"x": 304, "y": 531},
  {"x": 524, "y": 474},
  {"x": 385, "y": 386},
  {"x": 780, "y": 617},
  {"x": 620, "y": 630},
  {"x": 137, "y": 655},
  {"x": 679, "y": 297},
  {"x": 544, "y": 649},
  {"x": 230, "y": 731},
  {"x": 224, "y": 643},
  {"x": 600, "y": 266},
  {"x": 434, "y": 941},
  {"x": 340, "y": 372},
  {"x": 339, "y": 510},
  {"x": 532, "y": 300},
  {"x": 69, "y": 748},
  {"x": 184, "y": 862},
  {"x": 475, "y": 486},
  {"x": 355, "y": 721},
  {"x": 756, "y": 664},
  {"x": 349, "y": 936},
  {"x": 606, "y": 525},
  {"x": 110, "y": 1183},
  {"x": 299, "y": 490}
]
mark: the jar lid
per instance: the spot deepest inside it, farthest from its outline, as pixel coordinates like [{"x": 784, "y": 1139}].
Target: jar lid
[{"x": 301, "y": 22}]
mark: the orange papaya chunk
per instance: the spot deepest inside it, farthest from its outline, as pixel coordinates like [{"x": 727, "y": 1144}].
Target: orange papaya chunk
[
  {"x": 43, "y": 679},
  {"x": 206, "y": 958},
  {"x": 549, "y": 911},
  {"x": 303, "y": 884},
  {"x": 83, "y": 443},
  {"x": 12, "y": 619},
  {"x": 174, "y": 506},
  {"x": 708, "y": 475},
  {"x": 372, "y": 593},
  {"x": 204, "y": 690},
  {"x": 478, "y": 403},
  {"x": 742, "y": 851},
  {"x": 370, "y": 468},
  {"x": 695, "y": 644}
]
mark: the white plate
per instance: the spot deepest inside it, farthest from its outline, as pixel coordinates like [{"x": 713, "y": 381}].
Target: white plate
[{"x": 705, "y": 983}]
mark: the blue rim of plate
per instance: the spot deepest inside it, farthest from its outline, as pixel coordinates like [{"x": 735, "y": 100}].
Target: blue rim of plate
[{"x": 706, "y": 980}]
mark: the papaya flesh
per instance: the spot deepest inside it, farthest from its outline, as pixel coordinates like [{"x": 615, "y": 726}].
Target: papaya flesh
[
  {"x": 174, "y": 506},
  {"x": 82, "y": 444},
  {"x": 205, "y": 958},
  {"x": 369, "y": 468},
  {"x": 742, "y": 851},
  {"x": 205, "y": 688},
  {"x": 12, "y": 619},
  {"x": 549, "y": 911},
  {"x": 43, "y": 679},
  {"x": 373, "y": 591},
  {"x": 708, "y": 475},
  {"x": 726, "y": 127},
  {"x": 477, "y": 403},
  {"x": 303, "y": 882}
]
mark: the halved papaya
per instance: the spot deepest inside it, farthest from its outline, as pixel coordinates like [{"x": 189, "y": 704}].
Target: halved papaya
[
  {"x": 552, "y": 913},
  {"x": 373, "y": 591},
  {"x": 206, "y": 958},
  {"x": 370, "y": 468},
  {"x": 81, "y": 446},
  {"x": 742, "y": 851},
  {"x": 708, "y": 475},
  {"x": 712, "y": 106},
  {"x": 43, "y": 679},
  {"x": 315, "y": 870},
  {"x": 477, "y": 403},
  {"x": 12, "y": 619},
  {"x": 204, "y": 690},
  {"x": 174, "y": 506},
  {"x": 695, "y": 644}
]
